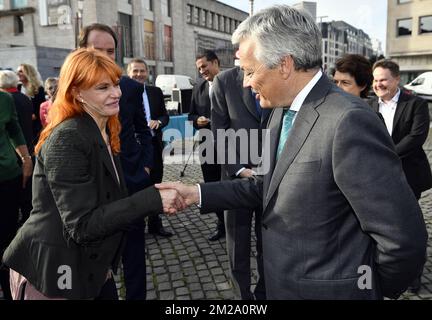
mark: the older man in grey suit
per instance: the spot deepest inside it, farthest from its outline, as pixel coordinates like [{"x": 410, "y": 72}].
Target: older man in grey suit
[
  {"x": 235, "y": 107},
  {"x": 339, "y": 218}
]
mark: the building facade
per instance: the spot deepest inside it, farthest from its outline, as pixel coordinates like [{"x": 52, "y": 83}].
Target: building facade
[
  {"x": 167, "y": 34},
  {"x": 409, "y": 36},
  {"x": 339, "y": 38}
]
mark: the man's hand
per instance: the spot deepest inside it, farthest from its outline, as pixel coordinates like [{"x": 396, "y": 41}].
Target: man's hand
[
  {"x": 154, "y": 124},
  {"x": 172, "y": 201},
  {"x": 247, "y": 173},
  {"x": 189, "y": 193},
  {"x": 202, "y": 121}
]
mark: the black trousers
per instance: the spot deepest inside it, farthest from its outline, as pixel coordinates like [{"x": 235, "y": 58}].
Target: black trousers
[
  {"x": 9, "y": 201},
  {"x": 156, "y": 175},
  {"x": 238, "y": 245},
  {"x": 212, "y": 173},
  {"x": 134, "y": 262},
  {"x": 134, "y": 253}
]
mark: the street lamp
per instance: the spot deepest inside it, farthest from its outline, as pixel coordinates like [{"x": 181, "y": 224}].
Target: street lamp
[
  {"x": 78, "y": 20},
  {"x": 251, "y": 10}
]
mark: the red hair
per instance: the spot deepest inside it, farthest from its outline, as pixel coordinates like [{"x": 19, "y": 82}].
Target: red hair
[{"x": 82, "y": 69}]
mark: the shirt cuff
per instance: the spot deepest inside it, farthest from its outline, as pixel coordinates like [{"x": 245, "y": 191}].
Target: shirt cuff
[
  {"x": 199, "y": 191},
  {"x": 240, "y": 171}
]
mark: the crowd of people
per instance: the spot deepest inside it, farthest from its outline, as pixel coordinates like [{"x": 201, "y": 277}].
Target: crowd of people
[{"x": 82, "y": 167}]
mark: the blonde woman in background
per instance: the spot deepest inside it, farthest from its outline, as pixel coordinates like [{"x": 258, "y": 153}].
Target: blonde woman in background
[
  {"x": 33, "y": 88},
  {"x": 50, "y": 89}
]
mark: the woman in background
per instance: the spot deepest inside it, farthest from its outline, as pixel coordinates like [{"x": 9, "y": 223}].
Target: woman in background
[
  {"x": 353, "y": 74},
  {"x": 32, "y": 88},
  {"x": 50, "y": 89}
]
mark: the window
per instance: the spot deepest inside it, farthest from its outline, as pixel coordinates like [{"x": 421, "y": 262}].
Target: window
[
  {"x": 425, "y": 25},
  {"x": 166, "y": 8},
  {"x": 18, "y": 24},
  {"x": 1, "y": 4},
  {"x": 404, "y": 27},
  {"x": 204, "y": 18},
  {"x": 149, "y": 40},
  {"x": 168, "y": 70},
  {"x": 195, "y": 16},
  {"x": 189, "y": 13},
  {"x": 418, "y": 82},
  {"x": 403, "y": 1},
  {"x": 216, "y": 21},
  {"x": 222, "y": 23},
  {"x": 148, "y": 5},
  {"x": 16, "y": 4},
  {"x": 168, "y": 43},
  {"x": 210, "y": 20},
  {"x": 227, "y": 25},
  {"x": 125, "y": 36}
]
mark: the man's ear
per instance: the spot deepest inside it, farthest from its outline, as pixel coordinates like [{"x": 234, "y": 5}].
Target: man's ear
[{"x": 286, "y": 66}]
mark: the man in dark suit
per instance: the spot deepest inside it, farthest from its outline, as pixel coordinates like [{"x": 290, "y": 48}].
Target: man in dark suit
[
  {"x": 235, "y": 107},
  {"x": 157, "y": 118},
  {"x": 136, "y": 157},
  {"x": 407, "y": 121},
  {"x": 339, "y": 219},
  {"x": 208, "y": 66}
]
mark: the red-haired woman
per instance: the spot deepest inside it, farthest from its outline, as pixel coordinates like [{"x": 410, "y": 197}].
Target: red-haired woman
[{"x": 73, "y": 239}]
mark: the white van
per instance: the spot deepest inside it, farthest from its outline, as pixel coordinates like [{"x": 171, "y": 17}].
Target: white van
[
  {"x": 169, "y": 81},
  {"x": 422, "y": 86}
]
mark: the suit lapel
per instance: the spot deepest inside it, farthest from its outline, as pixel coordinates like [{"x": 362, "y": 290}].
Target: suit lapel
[
  {"x": 106, "y": 158},
  {"x": 375, "y": 105},
  {"x": 402, "y": 103},
  {"x": 269, "y": 159},
  {"x": 303, "y": 124}
]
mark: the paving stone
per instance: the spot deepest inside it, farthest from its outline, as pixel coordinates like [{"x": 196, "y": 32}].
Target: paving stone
[
  {"x": 197, "y": 295},
  {"x": 211, "y": 294},
  {"x": 195, "y": 286},
  {"x": 178, "y": 283},
  {"x": 164, "y": 286},
  {"x": 217, "y": 271},
  {"x": 166, "y": 295},
  {"x": 182, "y": 291}
]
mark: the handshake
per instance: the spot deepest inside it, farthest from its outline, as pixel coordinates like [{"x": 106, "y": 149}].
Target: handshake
[{"x": 177, "y": 196}]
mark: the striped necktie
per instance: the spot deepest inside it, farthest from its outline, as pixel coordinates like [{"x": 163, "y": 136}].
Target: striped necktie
[{"x": 287, "y": 123}]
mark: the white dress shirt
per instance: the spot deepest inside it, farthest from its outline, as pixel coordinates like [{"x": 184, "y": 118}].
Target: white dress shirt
[
  {"x": 388, "y": 110},
  {"x": 146, "y": 104}
]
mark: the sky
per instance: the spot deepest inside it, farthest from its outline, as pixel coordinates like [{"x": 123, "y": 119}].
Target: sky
[{"x": 368, "y": 15}]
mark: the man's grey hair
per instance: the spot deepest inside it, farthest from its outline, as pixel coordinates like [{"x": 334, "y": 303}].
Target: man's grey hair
[
  {"x": 280, "y": 31},
  {"x": 8, "y": 79}
]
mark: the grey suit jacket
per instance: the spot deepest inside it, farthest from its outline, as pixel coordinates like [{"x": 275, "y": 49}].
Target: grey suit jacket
[
  {"x": 233, "y": 107},
  {"x": 336, "y": 201},
  {"x": 80, "y": 213}
]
